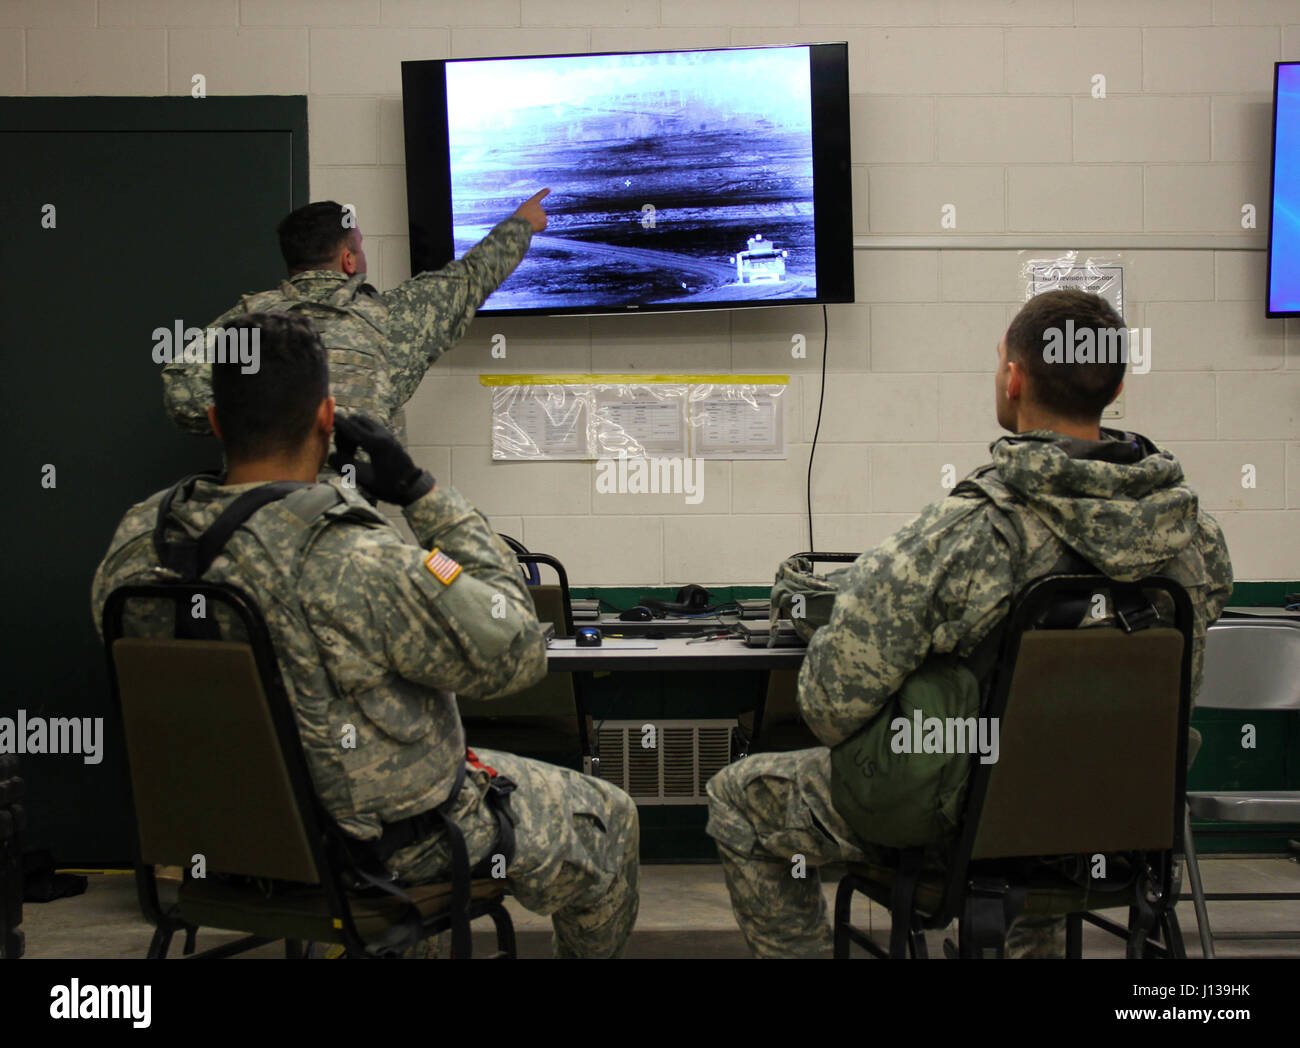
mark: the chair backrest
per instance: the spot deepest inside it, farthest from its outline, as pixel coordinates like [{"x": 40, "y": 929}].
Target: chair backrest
[
  {"x": 1251, "y": 664},
  {"x": 1092, "y": 730},
  {"x": 215, "y": 762},
  {"x": 548, "y": 602}
]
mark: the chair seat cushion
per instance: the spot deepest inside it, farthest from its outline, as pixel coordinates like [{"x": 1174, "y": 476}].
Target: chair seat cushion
[
  {"x": 303, "y": 913},
  {"x": 1246, "y": 805}
]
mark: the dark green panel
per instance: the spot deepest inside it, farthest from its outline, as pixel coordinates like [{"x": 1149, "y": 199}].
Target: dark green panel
[
  {"x": 155, "y": 224},
  {"x": 1262, "y": 594},
  {"x": 675, "y": 833},
  {"x": 1233, "y": 765}
]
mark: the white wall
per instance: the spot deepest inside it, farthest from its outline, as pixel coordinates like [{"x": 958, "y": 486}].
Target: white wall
[{"x": 982, "y": 103}]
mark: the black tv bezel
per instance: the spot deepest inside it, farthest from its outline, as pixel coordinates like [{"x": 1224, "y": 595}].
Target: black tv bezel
[
  {"x": 428, "y": 177},
  {"x": 1272, "y": 189}
]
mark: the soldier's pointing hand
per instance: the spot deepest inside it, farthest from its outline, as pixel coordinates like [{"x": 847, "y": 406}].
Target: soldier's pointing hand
[{"x": 531, "y": 209}]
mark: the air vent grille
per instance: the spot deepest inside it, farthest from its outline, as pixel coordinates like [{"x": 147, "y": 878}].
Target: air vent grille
[{"x": 664, "y": 762}]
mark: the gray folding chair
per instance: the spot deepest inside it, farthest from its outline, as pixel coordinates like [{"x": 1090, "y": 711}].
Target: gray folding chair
[{"x": 1251, "y": 663}]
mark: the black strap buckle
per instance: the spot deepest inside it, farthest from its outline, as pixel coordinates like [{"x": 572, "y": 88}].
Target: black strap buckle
[
  {"x": 498, "y": 797},
  {"x": 1134, "y": 611},
  {"x": 397, "y": 835}
]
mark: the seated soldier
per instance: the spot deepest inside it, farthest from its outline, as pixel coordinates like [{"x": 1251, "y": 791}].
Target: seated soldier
[
  {"x": 940, "y": 585},
  {"x": 375, "y": 637}
]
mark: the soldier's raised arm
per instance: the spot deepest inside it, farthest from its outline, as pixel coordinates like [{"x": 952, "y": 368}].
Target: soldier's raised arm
[
  {"x": 929, "y": 587},
  {"x": 455, "y": 614},
  {"x": 430, "y": 312}
]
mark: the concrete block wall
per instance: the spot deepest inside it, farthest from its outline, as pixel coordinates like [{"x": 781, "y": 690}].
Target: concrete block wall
[{"x": 987, "y": 105}]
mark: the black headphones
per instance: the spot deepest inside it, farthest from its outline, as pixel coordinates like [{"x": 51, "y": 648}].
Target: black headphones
[{"x": 691, "y": 600}]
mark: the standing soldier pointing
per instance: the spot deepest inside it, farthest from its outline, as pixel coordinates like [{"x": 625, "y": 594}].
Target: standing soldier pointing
[{"x": 380, "y": 344}]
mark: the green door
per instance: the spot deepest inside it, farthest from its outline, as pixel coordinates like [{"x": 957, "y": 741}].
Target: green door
[{"x": 164, "y": 210}]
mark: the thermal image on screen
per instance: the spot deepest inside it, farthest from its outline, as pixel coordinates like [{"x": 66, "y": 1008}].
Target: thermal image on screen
[
  {"x": 1284, "y": 273},
  {"x": 676, "y": 177}
]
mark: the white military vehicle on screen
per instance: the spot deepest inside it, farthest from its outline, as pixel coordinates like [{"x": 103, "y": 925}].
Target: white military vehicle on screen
[{"x": 761, "y": 263}]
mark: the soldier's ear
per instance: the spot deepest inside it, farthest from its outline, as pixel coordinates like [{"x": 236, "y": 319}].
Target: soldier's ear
[
  {"x": 348, "y": 258},
  {"x": 1015, "y": 380},
  {"x": 212, "y": 420},
  {"x": 325, "y": 416}
]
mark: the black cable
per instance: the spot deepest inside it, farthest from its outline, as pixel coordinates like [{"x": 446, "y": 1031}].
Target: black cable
[{"x": 821, "y": 399}]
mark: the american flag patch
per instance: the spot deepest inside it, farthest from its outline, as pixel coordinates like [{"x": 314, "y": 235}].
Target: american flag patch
[{"x": 441, "y": 567}]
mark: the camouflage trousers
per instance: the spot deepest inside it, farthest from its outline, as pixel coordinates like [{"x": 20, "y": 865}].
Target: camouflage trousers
[
  {"x": 577, "y": 841},
  {"x": 772, "y": 819}
]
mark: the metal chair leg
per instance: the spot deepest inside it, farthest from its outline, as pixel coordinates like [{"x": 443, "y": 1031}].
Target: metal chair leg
[
  {"x": 1173, "y": 934},
  {"x": 505, "y": 931},
  {"x": 161, "y": 942},
  {"x": 1141, "y": 923},
  {"x": 1074, "y": 936},
  {"x": 1198, "y": 892},
  {"x": 843, "y": 914}
]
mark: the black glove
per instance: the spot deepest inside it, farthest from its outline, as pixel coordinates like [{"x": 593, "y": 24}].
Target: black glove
[{"x": 390, "y": 475}]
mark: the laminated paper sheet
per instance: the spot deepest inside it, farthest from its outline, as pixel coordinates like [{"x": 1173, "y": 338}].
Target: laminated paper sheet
[
  {"x": 640, "y": 420},
  {"x": 1099, "y": 276},
  {"x": 734, "y": 421},
  {"x": 540, "y": 422},
  {"x": 541, "y": 417}
]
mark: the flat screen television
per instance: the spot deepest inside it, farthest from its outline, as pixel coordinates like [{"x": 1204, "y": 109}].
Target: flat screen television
[
  {"x": 679, "y": 180},
  {"x": 1284, "y": 215}
]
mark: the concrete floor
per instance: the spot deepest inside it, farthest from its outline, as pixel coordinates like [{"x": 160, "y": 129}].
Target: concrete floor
[{"x": 684, "y": 912}]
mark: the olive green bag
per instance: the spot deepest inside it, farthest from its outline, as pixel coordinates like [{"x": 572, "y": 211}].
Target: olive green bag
[
  {"x": 804, "y": 597},
  {"x": 908, "y": 799}
]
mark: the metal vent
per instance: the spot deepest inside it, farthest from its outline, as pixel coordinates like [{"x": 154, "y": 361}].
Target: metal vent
[{"x": 664, "y": 762}]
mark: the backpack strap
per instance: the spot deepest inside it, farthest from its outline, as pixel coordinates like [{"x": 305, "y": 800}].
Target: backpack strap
[{"x": 190, "y": 558}]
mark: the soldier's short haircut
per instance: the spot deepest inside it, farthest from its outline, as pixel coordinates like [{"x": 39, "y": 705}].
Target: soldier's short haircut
[
  {"x": 270, "y": 410},
  {"x": 1073, "y": 390},
  {"x": 310, "y": 237}
]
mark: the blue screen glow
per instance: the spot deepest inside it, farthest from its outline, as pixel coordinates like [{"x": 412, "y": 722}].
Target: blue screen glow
[
  {"x": 681, "y": 177},
  {"x": 1284, "y": 271}
]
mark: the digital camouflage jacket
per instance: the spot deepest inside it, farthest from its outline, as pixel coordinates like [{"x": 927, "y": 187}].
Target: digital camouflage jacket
[
  {"x": 380, "y": 344},
  {"x": 944, "y": 581},
  {"x": 373, "y": 635}
]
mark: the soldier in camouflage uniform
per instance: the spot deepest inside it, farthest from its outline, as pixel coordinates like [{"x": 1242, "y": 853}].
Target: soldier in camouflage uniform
[
  {"x": 942, "y": 583},
  {"x": 380, "y": 345},
  {"x": 375, "y": 637}
]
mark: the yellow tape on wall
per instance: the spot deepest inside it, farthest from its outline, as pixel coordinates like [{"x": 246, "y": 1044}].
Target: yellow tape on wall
[{"x": 559, "y": 379}]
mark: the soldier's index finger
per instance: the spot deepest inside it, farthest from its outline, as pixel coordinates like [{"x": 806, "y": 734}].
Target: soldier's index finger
[{"x": 538, "y": 196}]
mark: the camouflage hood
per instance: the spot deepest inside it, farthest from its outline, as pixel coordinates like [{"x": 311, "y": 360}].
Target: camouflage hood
[{"x": 1120, "y": 501}]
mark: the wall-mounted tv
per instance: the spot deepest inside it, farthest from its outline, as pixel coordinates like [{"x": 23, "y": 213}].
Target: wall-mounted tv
[
  {"x": 1284, "y": 217},
  {"x": 679, "y": 179}
]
